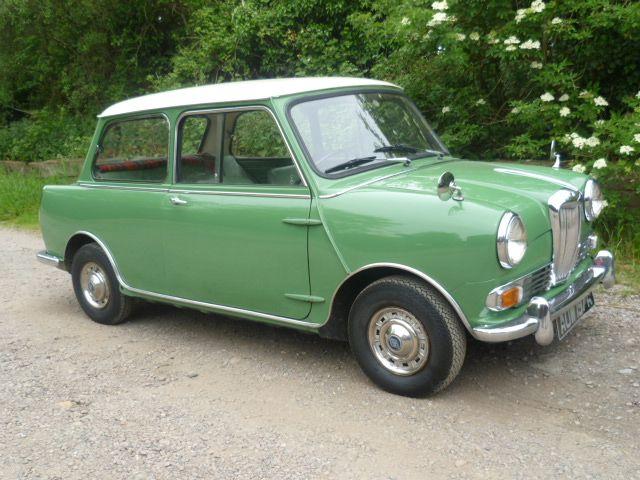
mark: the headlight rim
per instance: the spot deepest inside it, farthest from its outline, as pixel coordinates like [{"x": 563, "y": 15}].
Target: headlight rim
[
  {"x": 503, "y": 238},
  {"x": 589, "y": 196}
]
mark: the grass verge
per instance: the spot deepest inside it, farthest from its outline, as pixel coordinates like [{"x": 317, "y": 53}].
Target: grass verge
[{"x": 20, "y": 197}]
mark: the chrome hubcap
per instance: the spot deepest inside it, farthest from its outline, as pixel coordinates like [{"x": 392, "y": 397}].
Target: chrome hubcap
[
  {"x": 398, "y": 340},
  {"x": 95, "y": 285}
]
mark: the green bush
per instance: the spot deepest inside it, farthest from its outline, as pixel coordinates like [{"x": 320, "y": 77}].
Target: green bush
[{"x": 45, "y": 135}]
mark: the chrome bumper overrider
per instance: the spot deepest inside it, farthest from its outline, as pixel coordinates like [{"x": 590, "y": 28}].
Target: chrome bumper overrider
[
  {"x": 537, "y": 318},
  {"x": 48, "y": 259}
]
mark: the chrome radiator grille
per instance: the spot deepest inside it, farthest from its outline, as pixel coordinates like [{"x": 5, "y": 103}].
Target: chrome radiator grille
[
  {"x": 537, "y": 283},
  {"x": 565, "y": 212}
]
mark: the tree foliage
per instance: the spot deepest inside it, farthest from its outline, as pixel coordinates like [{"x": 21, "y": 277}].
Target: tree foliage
[{"x": 497, "y": 79}]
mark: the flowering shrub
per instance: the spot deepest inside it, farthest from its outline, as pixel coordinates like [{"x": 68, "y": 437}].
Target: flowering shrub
[{"x": 498, "y": 82}]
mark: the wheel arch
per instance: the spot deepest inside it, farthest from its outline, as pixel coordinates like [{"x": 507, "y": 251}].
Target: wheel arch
[
  {"x": 336, "y": 325},
  {"x": 81, "y": 238}
]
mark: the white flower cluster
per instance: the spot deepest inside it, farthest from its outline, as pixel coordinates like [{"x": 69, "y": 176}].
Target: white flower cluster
[
  {"x": 511, "y": 43},
  {"x": 581, "y": 142},
  {"x": 438, "y": 18},
  {"x": 563, "y": 98},
  {"x": 530, "y": 45},
  {"x": 547, "y": 97},
  {"x": 446, "y": 110},
  {"x": 475, "y": 36},
  {"x": 556, "y": 21},
  {"x": 579, "y": 168},
  {"x": 440, "y": 5},
  {"x": 460, "y": 37},
  {"x": 405, "y": 21},
  {"x": 564, "y": 111},
  {"x": 536, "y": 65},
  {"x": 481, "y": 101},
  {"x": 536, "y": 6},
  {"x": 626, "y": 150},
  {"x": 600, "y": 164},
  {"x": 600, "y": 101},
  {"x": 636, "y": 137}
]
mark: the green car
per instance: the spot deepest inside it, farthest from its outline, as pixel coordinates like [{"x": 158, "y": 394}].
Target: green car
[{"x": 327, "y": 205}]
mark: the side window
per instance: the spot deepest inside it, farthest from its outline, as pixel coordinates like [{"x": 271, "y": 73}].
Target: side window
[
  {"x": 257, "y": 153},
  {"x": 197, "y": 159},
  {"x": 133, "y": 150}
]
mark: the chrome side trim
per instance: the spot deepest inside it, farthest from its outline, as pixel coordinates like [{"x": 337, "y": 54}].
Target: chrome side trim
[
  {"x": 417, "y": 273},
  {"x": 193, "y": 303},
  {"x": 233, "y": 109},
  {"x": 51, "y": 260},
  {"x": 537, "y": 176},
  {"x": 238, "y": 194}
]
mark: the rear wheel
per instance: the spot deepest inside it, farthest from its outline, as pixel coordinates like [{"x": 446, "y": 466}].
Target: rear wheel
[
  {"x": 97, "y": 288},
  {"x": 406, "y": 337}
]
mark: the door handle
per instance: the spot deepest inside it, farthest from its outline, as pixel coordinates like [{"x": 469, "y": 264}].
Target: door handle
[{"x": 178, "y": 201}]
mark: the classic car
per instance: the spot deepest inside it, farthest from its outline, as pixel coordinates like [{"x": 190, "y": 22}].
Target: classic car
[{"x": 327, "y": 205}]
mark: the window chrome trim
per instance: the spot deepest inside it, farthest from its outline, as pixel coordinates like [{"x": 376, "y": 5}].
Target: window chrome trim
[
  {"x": 194, "y": 303},
  {"x": 239, "y": 193},
  {"x": 225, "y": 110},
  {"x": 132, "y": 118},
  {"x": 123, "y": 187}
]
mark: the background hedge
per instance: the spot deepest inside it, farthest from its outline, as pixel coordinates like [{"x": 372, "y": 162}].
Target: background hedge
[{"x": 498, "y": 79}]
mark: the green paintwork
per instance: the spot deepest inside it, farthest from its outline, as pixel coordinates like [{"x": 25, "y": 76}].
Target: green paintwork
[{"x": 256, "y": 256}]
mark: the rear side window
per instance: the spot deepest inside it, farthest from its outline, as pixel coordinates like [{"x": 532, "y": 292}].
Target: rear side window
[{"x": 133, "y": 150}]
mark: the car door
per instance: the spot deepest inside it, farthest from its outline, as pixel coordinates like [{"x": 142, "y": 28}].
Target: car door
[{"x": 236, "y": 233}]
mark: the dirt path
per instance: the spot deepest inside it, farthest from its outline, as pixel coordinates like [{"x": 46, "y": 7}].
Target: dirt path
[{"x": 179, "y": 394}]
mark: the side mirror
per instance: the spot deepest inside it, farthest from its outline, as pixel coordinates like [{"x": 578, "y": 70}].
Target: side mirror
[{"x": 447, "y": 188}]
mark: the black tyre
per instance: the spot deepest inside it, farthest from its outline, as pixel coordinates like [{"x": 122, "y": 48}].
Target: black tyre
[
  {"x": 97, "y": 288},
  {"x": 406, "y": 337}
]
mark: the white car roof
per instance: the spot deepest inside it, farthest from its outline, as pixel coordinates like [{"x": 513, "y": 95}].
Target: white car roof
[{"x": 236, "y": 92}]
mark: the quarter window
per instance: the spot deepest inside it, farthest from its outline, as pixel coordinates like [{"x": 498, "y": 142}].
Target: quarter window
[{"x": 133, "y": 150}]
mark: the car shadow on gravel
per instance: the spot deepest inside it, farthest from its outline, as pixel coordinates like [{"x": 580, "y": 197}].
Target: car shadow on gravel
[{"x": 498, "y": 365}]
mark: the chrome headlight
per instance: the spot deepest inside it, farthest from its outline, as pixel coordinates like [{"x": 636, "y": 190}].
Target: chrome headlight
[
  {"x": 593, "y": 200},
  {"x": 512, "y": 240}
]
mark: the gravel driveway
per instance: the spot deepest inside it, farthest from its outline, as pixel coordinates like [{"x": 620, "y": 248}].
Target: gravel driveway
[{"x": 179, "y": 394}]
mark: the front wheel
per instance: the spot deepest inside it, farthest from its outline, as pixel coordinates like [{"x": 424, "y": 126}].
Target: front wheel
[
  {"x": 97, "y": 288},
  {"x": 406, "y": 337}
]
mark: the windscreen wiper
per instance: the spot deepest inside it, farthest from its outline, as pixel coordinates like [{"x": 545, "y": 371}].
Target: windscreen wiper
[
  {"x": 414, "y": 152},
  {"x": 354, "y": 162},
  {"x": 397, "y": 147}
]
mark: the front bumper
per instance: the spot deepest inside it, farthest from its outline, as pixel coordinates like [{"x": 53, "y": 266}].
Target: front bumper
[{"x": 537, "y": 318}]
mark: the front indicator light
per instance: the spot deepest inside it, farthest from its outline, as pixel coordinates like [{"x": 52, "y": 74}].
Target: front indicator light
[{"x": 504, "y": 298}]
